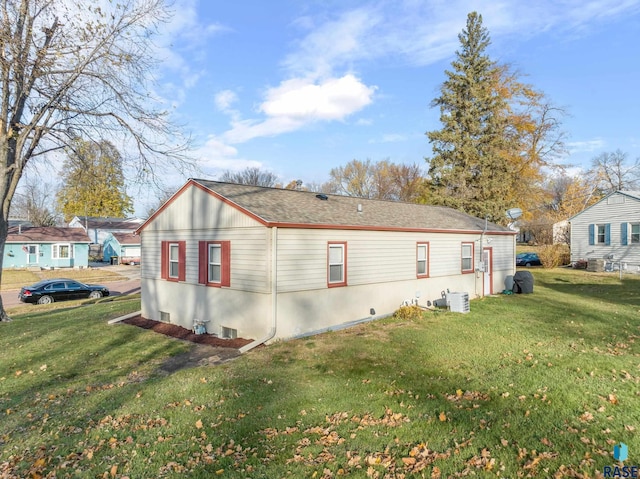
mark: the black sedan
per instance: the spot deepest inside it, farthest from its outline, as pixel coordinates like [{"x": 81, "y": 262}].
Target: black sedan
[
  {"x": 49, "y": 290},
  {"x": 528, "y": 259}
]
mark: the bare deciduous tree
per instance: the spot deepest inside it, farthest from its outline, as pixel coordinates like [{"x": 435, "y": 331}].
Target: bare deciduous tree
[
  {"x": 35, "y": 203},
  {"x": 382, "y": 180},
  {"x": 72, "y": 68},
  {"x": 250, "y": 176},
  {"x": 613, "y": 172}
]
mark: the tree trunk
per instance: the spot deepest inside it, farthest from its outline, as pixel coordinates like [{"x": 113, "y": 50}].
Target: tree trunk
[{"x": 4, "y": 230}]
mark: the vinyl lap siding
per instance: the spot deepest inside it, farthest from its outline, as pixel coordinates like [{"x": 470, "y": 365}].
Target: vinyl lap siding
[
  {"x": 249, "y": 263},
  {"x": 375, "y": 257}
]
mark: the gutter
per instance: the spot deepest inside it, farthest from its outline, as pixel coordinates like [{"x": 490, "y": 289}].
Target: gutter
[{"x": 274, "y": 296}]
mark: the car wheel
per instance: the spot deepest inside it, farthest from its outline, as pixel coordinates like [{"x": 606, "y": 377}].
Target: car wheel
[
  {"x": 45, "y": 300},
  {"x": 95, "y": 295},
  {"x": 528, "y": 265}
]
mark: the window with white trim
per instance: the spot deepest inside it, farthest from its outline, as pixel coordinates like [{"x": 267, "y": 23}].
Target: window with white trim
[
  {"x": 214, "y": 269},
  {"x": 61, "y": 251},
  {"x": 467, "y": 257},
  {"x": 635, "y": 233},
  {"x": 174, "y": 260},
  {"x": 422, "y": 260},
  {"x": 601, "y": 234},
  {"x": 337, "y": 264}
]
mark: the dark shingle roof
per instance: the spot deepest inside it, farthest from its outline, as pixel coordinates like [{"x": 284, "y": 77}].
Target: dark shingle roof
[
  {"x": 106, "y": 223},
  {"x": 126, "y": 238},
  {"x": 283, "y": 207},
  {"x": 47, "y": 234}
]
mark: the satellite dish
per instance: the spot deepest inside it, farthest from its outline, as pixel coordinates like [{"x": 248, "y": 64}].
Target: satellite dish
[{"x": 513, "y": 213}]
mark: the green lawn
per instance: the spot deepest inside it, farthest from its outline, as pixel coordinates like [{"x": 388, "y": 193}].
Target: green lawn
[{"x": 540, "y": 385}]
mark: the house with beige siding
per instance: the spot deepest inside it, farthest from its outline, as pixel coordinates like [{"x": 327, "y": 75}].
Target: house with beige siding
[
  {"x": 268, "y": 263},
  {"x": 609, "y": 231}
]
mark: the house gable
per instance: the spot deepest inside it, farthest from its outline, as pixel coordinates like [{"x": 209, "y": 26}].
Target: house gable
[{"x": 194, "y": 207}]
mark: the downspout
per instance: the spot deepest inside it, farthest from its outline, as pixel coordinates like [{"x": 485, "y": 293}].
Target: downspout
[
  {"x": 486, "y": 226},
  {"x": 274, "y": 295}
]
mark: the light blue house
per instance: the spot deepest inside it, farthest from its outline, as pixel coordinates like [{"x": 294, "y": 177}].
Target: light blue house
[
  {"x": 46, "y": 247},
  {"x": 124, "y": 246},
  {"x": 99, "y": 229}
]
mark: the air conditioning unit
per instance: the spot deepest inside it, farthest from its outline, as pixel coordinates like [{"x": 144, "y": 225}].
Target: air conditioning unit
[{"x": 458, "y": 302}]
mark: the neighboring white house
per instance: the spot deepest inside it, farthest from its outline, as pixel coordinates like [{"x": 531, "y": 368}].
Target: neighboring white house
[
  {"x": 560, "y": 231},
  {"x": 267, "y": 263},
  {"x": 608, "y": 230}
]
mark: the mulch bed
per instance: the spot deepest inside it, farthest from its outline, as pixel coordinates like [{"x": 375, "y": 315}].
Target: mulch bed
[{"x": 185, "y": 334}]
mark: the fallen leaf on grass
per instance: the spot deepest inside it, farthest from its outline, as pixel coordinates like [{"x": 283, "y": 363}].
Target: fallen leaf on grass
[
  {"x": 443, "y": 417},
  {"x": 198, "y": 424},
  {"x": 586, "y": 416}
]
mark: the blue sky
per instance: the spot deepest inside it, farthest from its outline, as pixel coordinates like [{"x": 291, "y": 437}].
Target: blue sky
[{"x": 300, "y": 87}]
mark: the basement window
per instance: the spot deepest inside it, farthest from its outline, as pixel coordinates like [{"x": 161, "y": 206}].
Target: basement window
[
  {"x": 228, "y": 333},
  {"x": 165, "y": 317}
]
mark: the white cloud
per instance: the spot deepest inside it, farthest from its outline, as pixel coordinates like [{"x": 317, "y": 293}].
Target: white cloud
[
  {"x": 332, "y": 99},
  {"x": 299, "y": 102},
  {"x": 393, "y": 138},
  {"x": 587, "y": 146},
  {"x": 364, "y": 122},
  {"x": 224, "y": 99},
  {"x": 216, "y": 156}
]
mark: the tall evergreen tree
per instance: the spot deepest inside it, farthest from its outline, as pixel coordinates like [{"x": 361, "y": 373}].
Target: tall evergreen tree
[
  {"x": 468, "y": 169},
  {"x": 93, "y": 181}
]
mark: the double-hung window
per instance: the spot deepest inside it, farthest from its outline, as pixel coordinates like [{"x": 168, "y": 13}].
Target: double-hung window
[
  {"x": 422, "y": 260},
  {"x": 336, "y": 264},
  {"x": 467, "y": 258},
  {"x": 173, "y": 266},
  {"x": 602, "y": 234},
  {"x": 214, "y": 263},
  {"x": 635, "y": 233},
  {"x": 174, "y": 260}
]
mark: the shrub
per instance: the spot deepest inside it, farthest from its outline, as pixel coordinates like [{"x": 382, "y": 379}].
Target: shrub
[
  {"x": 408, "y": 312},
  {"x": 554, "y": 255}
]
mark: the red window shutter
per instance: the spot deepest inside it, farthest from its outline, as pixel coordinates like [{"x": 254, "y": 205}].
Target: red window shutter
[
  {"x": 203, "y": 262},
  {"x": 225, "y": 246},
  {"x": 182, "y": 257},
  {"x": 164, "y": 260}
]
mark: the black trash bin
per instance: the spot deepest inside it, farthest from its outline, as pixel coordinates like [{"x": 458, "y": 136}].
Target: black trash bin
[
  {"x": 115, "y": 260},
  {"x": 523, "y": 282}
]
